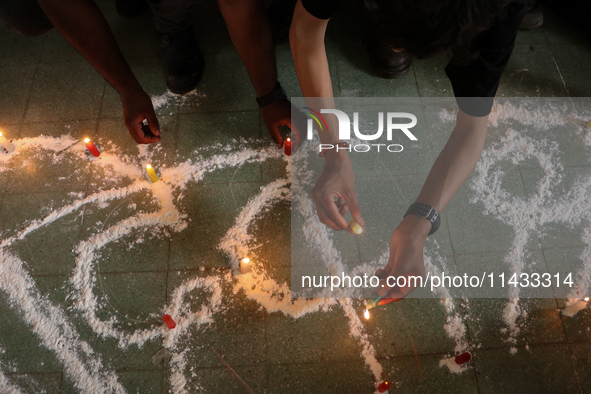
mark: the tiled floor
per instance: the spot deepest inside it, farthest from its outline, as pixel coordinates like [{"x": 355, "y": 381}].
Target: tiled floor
[{"x": 47, "y": 88}]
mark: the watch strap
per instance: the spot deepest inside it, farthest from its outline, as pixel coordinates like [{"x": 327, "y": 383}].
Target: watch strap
[
  {"x": 426, "y": 212},
  {"x": 275, "y": 95}
]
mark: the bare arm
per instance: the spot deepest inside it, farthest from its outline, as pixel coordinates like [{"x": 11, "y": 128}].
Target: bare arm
[
  {"x": 451, "y": 169},
  {"x": 84, "y": 26},
  {"x": 337, "y": 180},
  {"x": 250, "y": 31}
]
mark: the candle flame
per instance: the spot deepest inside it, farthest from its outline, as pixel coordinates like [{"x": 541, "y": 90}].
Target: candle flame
[
  {"x": 366, "y": 314},
  {"x": 148, "y": 166},
  {"x": 586, "y": 299},
  {"x": 289, "y": 139},
  {"x": 0, "y": 134},
  {"x": 86, "y": 140},
  {"x": 245, "y": 260}
]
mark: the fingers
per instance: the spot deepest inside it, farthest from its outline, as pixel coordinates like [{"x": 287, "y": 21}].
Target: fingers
[
  {"x": 275, "y": 135},
  {"x": 153, "y": 123},
  {"x": 332, "y": 211},
  {"x": 323, "y": 216},
  {"x": 355, "y": 209}
]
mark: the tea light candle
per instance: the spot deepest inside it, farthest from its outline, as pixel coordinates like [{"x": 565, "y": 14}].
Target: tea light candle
[
  {"x": 357, "y": 229},
  {"x": 152, "y": 173},
  {"x": 573, "y": 309},
  {"x": 245, "y": 265},
  {"x": 90, "y": 146},
  {"x": 6, "y": 147},
  {"x": 288, "y": 146}
]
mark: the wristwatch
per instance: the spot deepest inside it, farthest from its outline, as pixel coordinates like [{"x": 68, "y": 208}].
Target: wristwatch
[
  {"x": 426, "y": 212},
  {"x": 276, "y": 95}
]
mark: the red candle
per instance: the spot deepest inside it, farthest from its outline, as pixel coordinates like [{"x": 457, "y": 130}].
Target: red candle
[
  {"x": 463, "y": 358},
  {"x": 90, "y": 146},
  {"x": 384, "y": 386},
  {"x": 169, "y": 322},
  {"x": 288, "y": 146}
]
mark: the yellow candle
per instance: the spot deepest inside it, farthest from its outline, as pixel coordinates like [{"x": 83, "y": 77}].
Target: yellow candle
[
  {"x": 357, "y": 229},
  {"x": 245, "y": 265},
  {"x": 152, "y": 173}
]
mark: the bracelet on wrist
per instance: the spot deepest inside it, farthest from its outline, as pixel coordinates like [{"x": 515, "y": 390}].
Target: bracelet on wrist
[
  {"x": 426, "y": 212},
  {"x": 275, "y": 95}
]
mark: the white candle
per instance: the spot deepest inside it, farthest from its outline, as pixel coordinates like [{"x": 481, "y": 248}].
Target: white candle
[
  {"x": 6, "y": 147},
  {"x": 245, "y": 265},
  {"x": 573, "y": 309}
]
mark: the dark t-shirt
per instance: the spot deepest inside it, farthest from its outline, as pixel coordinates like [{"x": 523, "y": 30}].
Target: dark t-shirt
[{"x": 474, "y": 84}]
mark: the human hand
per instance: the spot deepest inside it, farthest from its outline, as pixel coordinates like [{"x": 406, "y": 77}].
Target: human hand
[
  {"x": 406, "y": 257},
  {"x": 137, "y": 106},
  {"x": 279, "y": 113},
  {"x": 336, "y": 181}
]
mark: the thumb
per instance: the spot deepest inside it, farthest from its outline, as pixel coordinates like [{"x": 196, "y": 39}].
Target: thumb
[
  {"x": 276, "y": 135},
  {"x": 355, "y": 209},
  {"x": 153, "y": 123}
]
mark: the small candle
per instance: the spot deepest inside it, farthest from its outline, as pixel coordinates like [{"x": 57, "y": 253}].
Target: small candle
[
  {"x": 288, "y": 146},
  {"x": 168, "y": 321},
  {"x": 589, "y": 124},
  {"x": 152, "y": 173},
  {"x": 573, "y": 309},
  {"x": 245, "y": 265},
  {"x": 357, "y": 229},
  {"x": 90, "y": 146},
  {"x": 6, "y": 147},
  {"x": 366, "y": 314},
  {"x": 463, "y": 358},
  {"x": 384, "y": 386}
]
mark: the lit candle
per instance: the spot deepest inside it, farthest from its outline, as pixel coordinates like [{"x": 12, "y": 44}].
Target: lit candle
[
  {"x": 6, "y": 147},
  {"x": 366, "y": 314},
  {"x": 288, "y": 146},
  {"x": 152, "y": 173},
  {"x": 384, "y": 386},
  {"x": 90, "y": 146},
  {"x": 168, "y": 321},
  {"x": 357, "y": 229},
  {"x": 245, "y": 265},
  {"x": 573, "y": 309}
]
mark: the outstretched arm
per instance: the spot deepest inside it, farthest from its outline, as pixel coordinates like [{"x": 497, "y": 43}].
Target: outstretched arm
[
  {"x": 84, "y": 26},
  {"x": 250, "y": 31},
  {"x": 451, "y": 169},
  {"x": 306, "y": 38}
]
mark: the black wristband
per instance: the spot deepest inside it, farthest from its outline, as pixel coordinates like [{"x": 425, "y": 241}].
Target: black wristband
[
  {"x": 426, "y": 212},
  {"x": 276, "y": 95}
]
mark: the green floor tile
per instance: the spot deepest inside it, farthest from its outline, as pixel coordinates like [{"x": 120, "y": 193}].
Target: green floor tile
[
  {"x": 16, "y": 84},
  {"x": 300, "y": 341},
  {"x": 212, "y": 209},
  {"x": 333, "y": 377},
  {"x": 237, "y": 331},
  {"x": 75, "y": 89},
  {"x": 37, "y": 383},
  {"x": 423, "y": 374},
  {"x": 542, "y": 323},
  {"x": 221, "y": 380},
  {"x": 531, "y": 72},
  {"x": 18, "y": 49},
  {"x": 542, "y": 369}
]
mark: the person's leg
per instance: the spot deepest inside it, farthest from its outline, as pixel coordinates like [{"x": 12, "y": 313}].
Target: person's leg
[
  {"x": 182, "y": 59},
  {"x": 25, "y": 17}
]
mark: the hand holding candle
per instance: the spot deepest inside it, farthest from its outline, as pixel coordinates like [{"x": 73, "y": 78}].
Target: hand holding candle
[
  {"x": 91, "y": 148},
  {"x": 152, "y": 173},
  {"x": 356, "y": 227}
]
